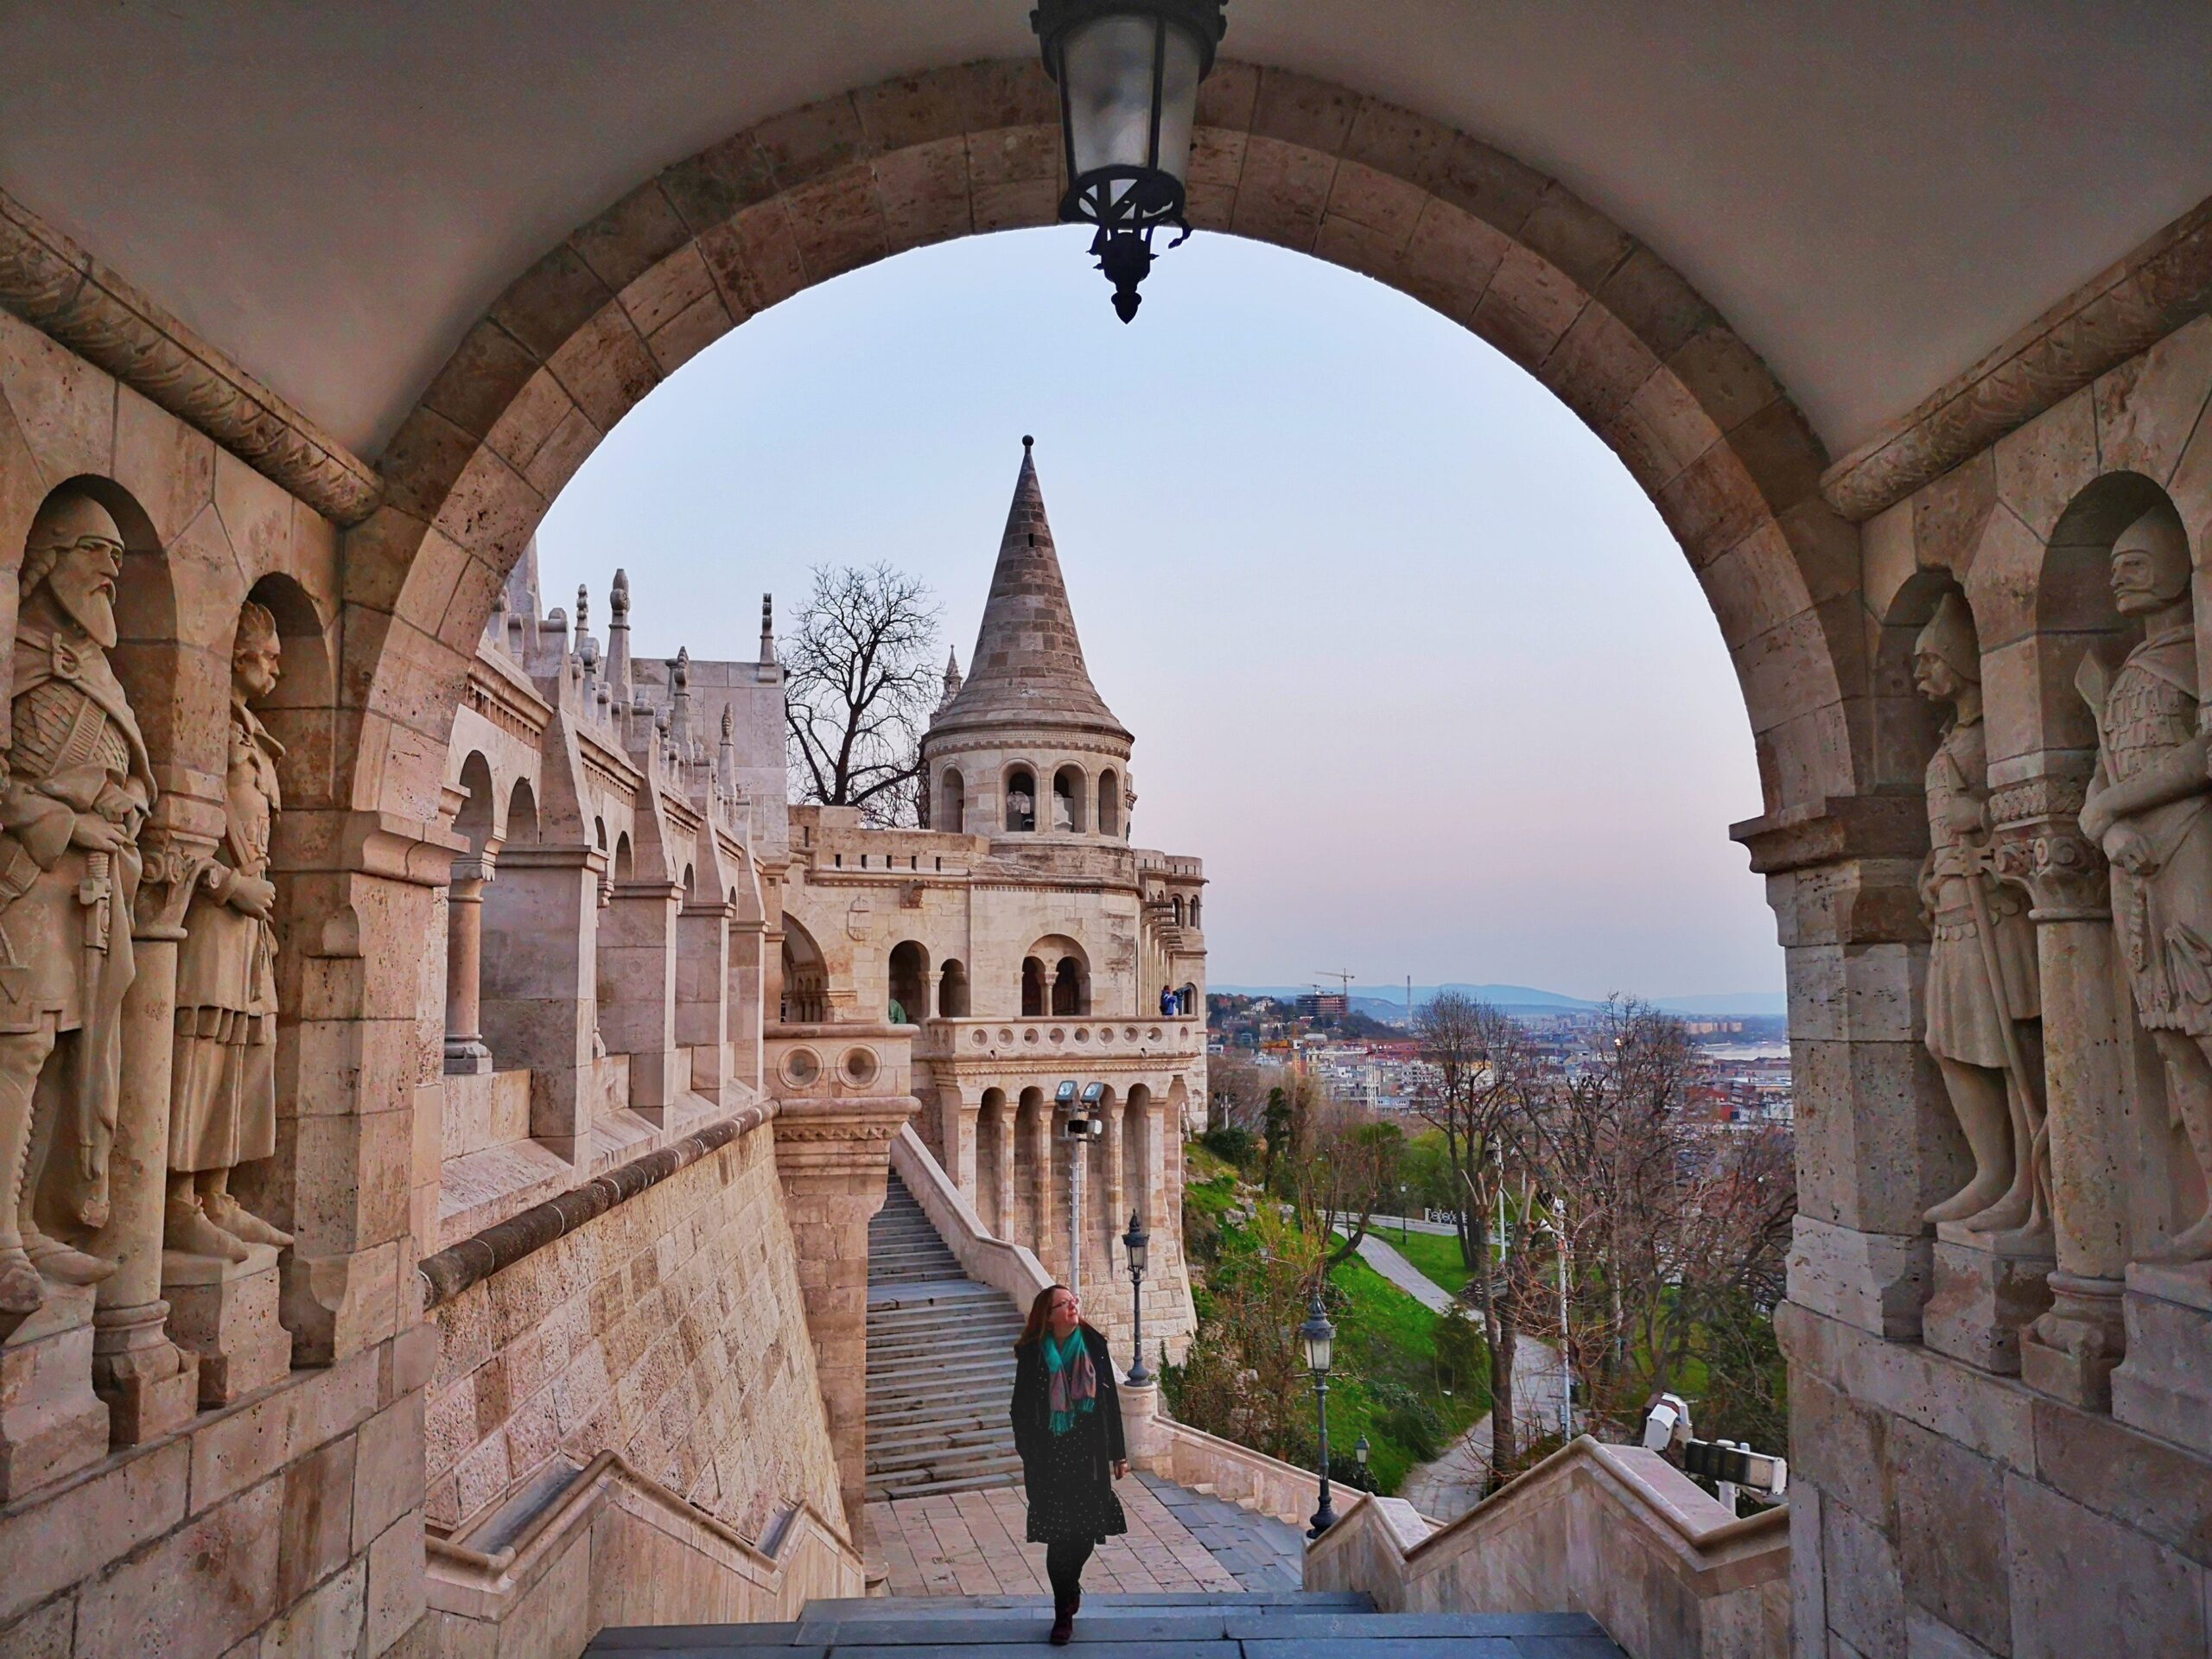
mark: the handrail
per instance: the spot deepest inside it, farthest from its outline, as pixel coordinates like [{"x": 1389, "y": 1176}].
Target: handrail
[{"x": 490, "y": 1572}]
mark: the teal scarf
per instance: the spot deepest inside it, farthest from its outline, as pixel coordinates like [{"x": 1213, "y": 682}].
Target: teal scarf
[{"x": 1071, "y": 1381}]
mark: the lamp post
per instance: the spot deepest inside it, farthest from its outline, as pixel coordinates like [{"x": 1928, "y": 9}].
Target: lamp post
[
  {"x": 1128, "y": 74},
  {"x": 1360, "y": 1451},
  {"x": 1134, "y": 1241},
  {"x": 1320, "y": 1338},
  {"x": 1084, "y": 1125}
]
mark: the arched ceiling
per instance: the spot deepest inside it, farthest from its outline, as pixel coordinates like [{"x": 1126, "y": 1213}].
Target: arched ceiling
[{"x": 1875, "y": 194}]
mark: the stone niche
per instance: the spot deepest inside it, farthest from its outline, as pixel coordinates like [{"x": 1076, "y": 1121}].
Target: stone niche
[{"x": 1999, "y": 1329}]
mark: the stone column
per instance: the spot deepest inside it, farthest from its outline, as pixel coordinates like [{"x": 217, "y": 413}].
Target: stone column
[
  {"x": 1037, "y": 1152},
  {"x": 834, "y": 1158},
  {"x": 749, "y": 992},
  {"x": 1004, "y": 1208},
  {"x": 702, "y": 1010},
  {"x": 539, "y": 995},
  {"x": 466, "y": 1052},
  {"x": 1876, "y": 1141},
  {"x": 1117, "y": 1199},
  {"x": 2071, "y": 1349},
  {"x": 149, "y": 1383},
  {"x": 637, "y": 979}
]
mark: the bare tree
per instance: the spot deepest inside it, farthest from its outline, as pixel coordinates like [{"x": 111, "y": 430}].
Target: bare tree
[
  {"x": 1485, "y": 1083},
  {"x": 860, "y": 681},
  {"x": 1345, "y": 1158}
]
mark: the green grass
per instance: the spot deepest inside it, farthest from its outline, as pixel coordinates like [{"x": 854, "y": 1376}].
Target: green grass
[
  {"x": 1386, "y": 1356},
  {"x": 1437, "y": 1256}
]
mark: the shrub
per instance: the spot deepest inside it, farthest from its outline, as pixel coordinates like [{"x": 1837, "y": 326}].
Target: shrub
[{"x": 1231, "y": 1144}]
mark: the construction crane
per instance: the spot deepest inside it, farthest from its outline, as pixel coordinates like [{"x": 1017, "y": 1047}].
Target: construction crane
[{"x": 1343, "y": 979}]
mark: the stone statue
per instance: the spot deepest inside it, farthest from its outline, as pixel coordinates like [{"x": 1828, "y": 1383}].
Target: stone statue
[
  {"x": 2147, "y": 808},
  {"x": 78, "y": 787},
  {"x": 222, "y": 1079},
  {"x": 1982, "y": 986}
]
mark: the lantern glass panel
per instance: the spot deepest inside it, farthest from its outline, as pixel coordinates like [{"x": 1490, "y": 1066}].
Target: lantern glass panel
[{"x": 1106, "y": 76}]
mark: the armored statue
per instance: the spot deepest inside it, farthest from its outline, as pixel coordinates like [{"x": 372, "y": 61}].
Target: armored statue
[
  {"x": 1983, "y": 993},
  {"x": 78, "y": 787},
  {"x": 2146, "y": 807},
  {"x": 222, "y": 1079}
]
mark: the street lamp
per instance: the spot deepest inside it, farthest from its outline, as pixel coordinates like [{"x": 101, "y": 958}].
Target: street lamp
[
  {"x": 1084, "y": 1125},
  {"x": 1320, "y": 1338},
  {"x": 1134, "y": 1241},
  {"x": 1360, "y": 1451},
  {"x": 1128, "y": 74}
]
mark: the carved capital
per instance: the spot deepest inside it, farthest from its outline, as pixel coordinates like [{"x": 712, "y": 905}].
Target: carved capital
[
  {"x": 173, "y": 865},
  {"x": 2039, "y": 845}
]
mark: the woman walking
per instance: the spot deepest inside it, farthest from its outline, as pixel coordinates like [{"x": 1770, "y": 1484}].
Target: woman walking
[{"x": 1067, "y": 1426}]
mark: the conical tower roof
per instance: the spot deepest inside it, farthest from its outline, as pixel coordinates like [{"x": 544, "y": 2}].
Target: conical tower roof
[{"x": 1026, "y": 672}]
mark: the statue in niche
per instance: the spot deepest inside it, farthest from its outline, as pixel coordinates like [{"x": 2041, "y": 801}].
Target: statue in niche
[
  {"x": 2147, "y": 808},
  {"x": 79, "y": 787},
  {"x": 222, "y": 1078},
  {"x": 1983, "y": 990}
]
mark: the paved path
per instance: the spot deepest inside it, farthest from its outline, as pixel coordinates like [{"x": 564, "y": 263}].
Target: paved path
[
  {"x": 971, "y": 1544},
  {"x": 1448, "y": 1486},
  {"x": 1386, "y": 1260}
]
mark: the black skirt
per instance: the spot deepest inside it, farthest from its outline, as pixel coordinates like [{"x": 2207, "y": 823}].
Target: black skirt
[{"x": 1068, "y": 1504}]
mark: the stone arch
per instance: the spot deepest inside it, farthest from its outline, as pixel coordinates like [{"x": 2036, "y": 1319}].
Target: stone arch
[
  {"x": 952, "y": 990},
  {"x": 522, "y": 815},
  {"x": 952, "y": 802},
  {"x": 1599, "y": 318},
  {"x": 477, "y": 820},
  {"x": 1064, "y": 971},
  {"x": 1070, "y": 797},
  {"x": 1019, "y": 790},
  {"x": 1036, "y": 989},
  {"x": 1138, "y": 1128},
  {"x": 909, "y": 976},
  {"x": 1110, "y": 803},
  {"x": 806, "y": 976},
  {"x": 300, "y": 712},
  {"x": 994, "y": 1130}
]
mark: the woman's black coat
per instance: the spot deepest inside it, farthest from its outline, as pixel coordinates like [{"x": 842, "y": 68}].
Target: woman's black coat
[{"x": 1100, "y": 1427}]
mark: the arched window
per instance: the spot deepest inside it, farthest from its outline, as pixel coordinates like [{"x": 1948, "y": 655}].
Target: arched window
[
  {"x": 806, "y": 981},
  {"x": 1110, "y": 803},
  {"x": 1178, "y": 902},
  {"x": 1136, "y": 1132},
  {"x": 910, "y": 983},
  {"x": 952, "y": 991},
  {"x": 1068, "y": 792},
  {"x": 1194, "y": 910},
  {"x": 952, "y": 802},
  {"x": 1033, "y": 989},
  {"x": 1070, "y": 988},
  {"x": 1021, "y": 800},
  {"x": 1186, "y": 999},
  {"x": 625, "y": 863}
]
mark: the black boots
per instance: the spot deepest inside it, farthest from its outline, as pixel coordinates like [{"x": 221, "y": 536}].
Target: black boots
[{"x": 1064, "y": 1609}]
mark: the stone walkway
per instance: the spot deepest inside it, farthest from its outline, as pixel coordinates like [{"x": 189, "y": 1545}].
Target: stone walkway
[
  {"x": 1386, "y": 1260},
  {"x": 971, "y": 1544}
]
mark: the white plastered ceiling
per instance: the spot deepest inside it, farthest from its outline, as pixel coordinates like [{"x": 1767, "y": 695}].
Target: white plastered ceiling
[{"x": 1874, "y": 193}]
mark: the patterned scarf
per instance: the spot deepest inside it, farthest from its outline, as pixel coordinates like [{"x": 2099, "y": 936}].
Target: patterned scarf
[{"x": 1071, "y": 1381}]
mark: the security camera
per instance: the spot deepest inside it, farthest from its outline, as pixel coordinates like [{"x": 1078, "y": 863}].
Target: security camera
[{"x": 1668, "y": 1424}]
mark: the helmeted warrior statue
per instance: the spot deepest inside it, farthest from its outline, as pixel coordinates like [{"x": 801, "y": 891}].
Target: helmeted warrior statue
[
  {"x": 223, "y": 1078},
  {"x": 1983, "y": 1003},
  {"x": 2147, "y": 808},
  {"x": 79, "y": 787}
]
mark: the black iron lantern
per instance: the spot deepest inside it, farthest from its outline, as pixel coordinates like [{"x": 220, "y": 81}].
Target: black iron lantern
[
  {"x": 1319, "y": 1337},
  {"x": 1137, "y": 1241},
  {"x": 1128, "y": 74}
]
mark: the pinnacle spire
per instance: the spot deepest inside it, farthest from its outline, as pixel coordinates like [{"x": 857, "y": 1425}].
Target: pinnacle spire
[{"x": 1027, "y": 666}]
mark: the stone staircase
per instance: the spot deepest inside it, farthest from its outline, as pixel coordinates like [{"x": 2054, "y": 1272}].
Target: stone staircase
[
  {"x": 940, "y": 1363},
  {"x": 1290, "y": 1624}
]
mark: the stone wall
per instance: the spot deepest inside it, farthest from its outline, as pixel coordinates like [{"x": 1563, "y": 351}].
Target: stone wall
[
  {"x": 670, "y": 1329},
  {"x": 2002, "y": 1439}
]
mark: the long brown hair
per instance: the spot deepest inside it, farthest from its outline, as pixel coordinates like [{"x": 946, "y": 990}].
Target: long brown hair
[{"x": 1040, "y": 1315}]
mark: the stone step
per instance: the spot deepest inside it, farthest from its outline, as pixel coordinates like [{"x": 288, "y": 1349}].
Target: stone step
[
  {"x": 935, "y": 1461},
  {"x": 949, "y": 1487},
  {"x": 1258, "y": 1625}
]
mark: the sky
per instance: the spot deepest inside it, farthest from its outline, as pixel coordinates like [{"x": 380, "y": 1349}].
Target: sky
[{"x": 1411, "y": 661}]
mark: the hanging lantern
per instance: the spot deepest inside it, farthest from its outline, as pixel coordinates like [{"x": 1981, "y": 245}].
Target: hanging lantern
[{"x": 1128, "y": 74}]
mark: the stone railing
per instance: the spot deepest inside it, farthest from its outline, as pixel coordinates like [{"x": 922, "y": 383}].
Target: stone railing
[
  {"x": 1613, "y": 1531},
  {"x": 835, "y": 1061},
  {"x": 1069, "y": 1040},
  {"x": 1189, "y": 1457},
  {"x": 605, "y": 1545},
  {"x": 1011, "y": 1269}
]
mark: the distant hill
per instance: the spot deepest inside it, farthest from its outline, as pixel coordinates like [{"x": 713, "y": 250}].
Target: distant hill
[{"x": 1527, "y": 999}]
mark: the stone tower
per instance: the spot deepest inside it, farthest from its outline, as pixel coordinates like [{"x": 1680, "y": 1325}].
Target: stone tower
[{"x": 1026, "y": 746}]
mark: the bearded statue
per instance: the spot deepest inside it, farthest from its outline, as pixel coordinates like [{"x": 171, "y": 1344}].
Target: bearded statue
[
  {"x": 78, "y": 787},
  {"x": 223, "y": 1078}
]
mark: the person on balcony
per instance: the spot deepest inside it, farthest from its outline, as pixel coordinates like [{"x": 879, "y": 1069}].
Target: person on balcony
[{"x": 1067, "y": 1426}]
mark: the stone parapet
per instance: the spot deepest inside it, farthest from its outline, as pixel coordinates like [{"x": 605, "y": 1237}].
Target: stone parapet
[{"x": 1615, "y": 1532}]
